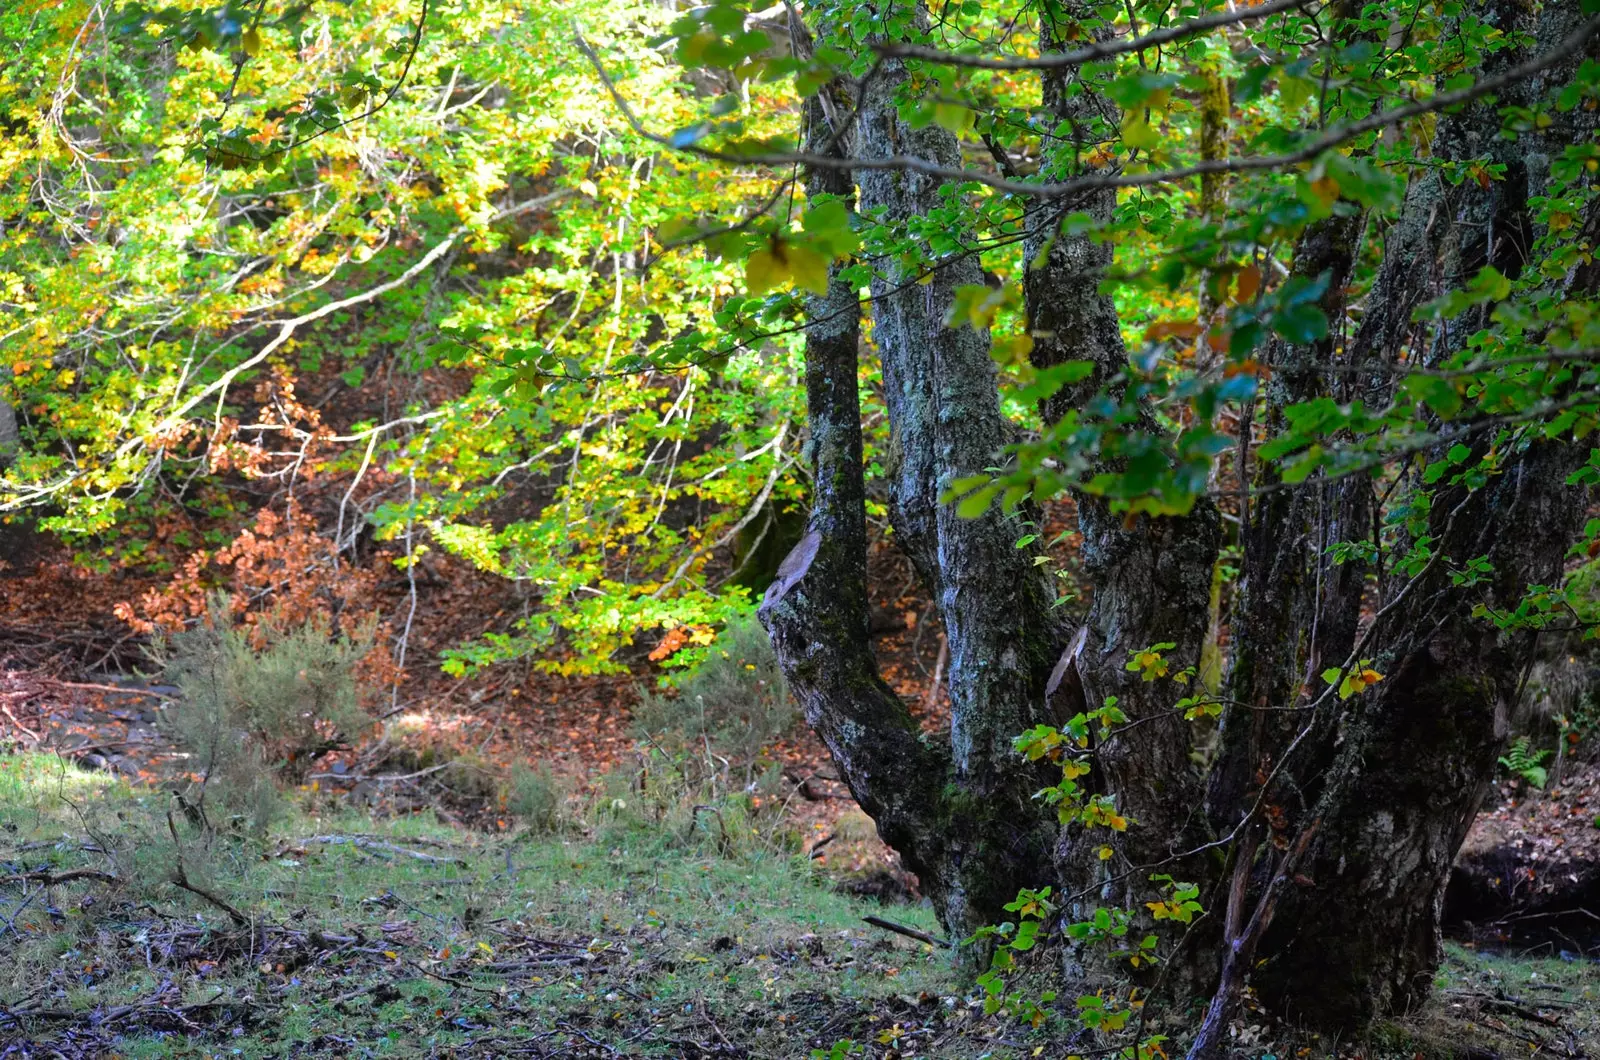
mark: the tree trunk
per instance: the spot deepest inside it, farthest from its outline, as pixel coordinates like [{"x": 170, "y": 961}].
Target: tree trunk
[
  {"x": 8, "y": 435},
  {"x": 816, "y": 611},
  {"x": 964, "y": 820},
  {"x": 1332, "y": 812},
  {"x": 1392, "y": 780},
  {"x": 1151, "y": 577}
]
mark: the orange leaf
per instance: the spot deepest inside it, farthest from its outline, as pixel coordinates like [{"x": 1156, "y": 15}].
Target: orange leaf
[
  {"x": 1165, "y": 329},
  {"x": 1247, "y": 284}
]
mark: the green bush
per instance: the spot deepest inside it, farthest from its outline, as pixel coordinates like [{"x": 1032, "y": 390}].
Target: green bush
[
  {"x": 724, "y": 712},
  {"x": 536, "y": 796},
  {"x": 256, "y": 705}
]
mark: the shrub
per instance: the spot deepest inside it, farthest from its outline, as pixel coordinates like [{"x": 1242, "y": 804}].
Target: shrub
[
  {"x": 536, "y": 796},
  {"x": 725, "y": 711},
  {"x": 258, "y": 703}
]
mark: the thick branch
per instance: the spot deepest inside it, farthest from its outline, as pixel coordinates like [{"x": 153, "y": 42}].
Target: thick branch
[
  {"x": 1068, "y": 189},
  {"x": 1102, "y": 49}
]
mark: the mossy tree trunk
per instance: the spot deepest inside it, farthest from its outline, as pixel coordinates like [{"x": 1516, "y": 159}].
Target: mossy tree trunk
[{"x": 1331, "y": 812}]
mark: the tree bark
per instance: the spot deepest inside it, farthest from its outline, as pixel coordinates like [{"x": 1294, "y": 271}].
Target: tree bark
[
  {"x": 1355, "y": 807},
  {"x": 1151, "y": 576},
  {"x": 1393, "y": 779}
]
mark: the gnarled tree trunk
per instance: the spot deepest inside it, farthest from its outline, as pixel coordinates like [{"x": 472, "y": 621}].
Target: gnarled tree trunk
[{"x": 1331, "y": 812}]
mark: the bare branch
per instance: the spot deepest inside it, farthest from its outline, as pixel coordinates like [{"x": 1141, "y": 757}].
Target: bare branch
[
  {"x": 218, "y": 388},
  {"x": 1098, "y": 50},
  {"x": 1330, "y": 138}
]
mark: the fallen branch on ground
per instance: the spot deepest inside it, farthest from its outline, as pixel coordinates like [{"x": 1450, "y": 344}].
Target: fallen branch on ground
[
  {"x": 51, "y": 879},
  {"x": 366, "y": 843},
  {"x": 908, "y": 932}
]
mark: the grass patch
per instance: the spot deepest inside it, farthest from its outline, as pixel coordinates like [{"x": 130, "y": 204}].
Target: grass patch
[
  {"x": 412, "y": 938},
  {"x": 645, "y": 936}
]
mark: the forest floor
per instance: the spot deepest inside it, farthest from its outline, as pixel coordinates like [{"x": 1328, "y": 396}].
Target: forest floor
[{"x": 642, "y": 932}]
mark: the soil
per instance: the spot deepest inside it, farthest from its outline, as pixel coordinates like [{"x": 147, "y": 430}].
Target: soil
[{"x": 1528, "y": 877}]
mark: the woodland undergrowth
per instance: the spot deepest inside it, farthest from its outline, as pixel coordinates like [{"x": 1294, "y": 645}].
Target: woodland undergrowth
[{"x": 627, "y": 921}]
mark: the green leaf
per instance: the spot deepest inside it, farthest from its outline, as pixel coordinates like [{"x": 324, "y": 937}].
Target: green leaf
[
  {"x": 975, "y": 504},
  {"x": 1301, "y": 324},
  {"x": 1438, "y": 394},
  {"x": 1293, "y": 92}
]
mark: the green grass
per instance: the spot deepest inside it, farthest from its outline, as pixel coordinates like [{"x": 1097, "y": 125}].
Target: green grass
[
  {"x": 641, "y": 939},
  {"x": 646, "y": 935}
]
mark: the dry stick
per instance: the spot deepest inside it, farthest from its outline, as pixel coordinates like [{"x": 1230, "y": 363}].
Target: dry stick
[
  {"x": 358, "y": 778},
  {"x": 378, "y": 844},
  {"x": 453, "y": 980},
  {"x": 932, "y": 698},
  {"x": 27, "y": 900},
  {"x": 51, "y": 879},
  {"x": 705, "y": 1014},
  {"x": 816, "y": 851},
  {"x": 35, "y": 737},
  {"x": 180, "y": 878},
  {"x": 908, "y": 932},
  {"x": 104, "y": 688},
  {"x": 1242, "y": 947}
]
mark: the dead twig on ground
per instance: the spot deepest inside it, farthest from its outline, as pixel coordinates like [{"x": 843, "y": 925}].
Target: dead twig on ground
[
  {"x": 180, "y": 878},
  {"x": 908, "y": 932},
  {"x": 51, "y": 879},
  {"x": 377, "y": 845}
]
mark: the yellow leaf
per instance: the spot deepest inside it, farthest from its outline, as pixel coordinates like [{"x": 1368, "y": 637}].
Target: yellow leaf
[
  {"x": 952, "y": 116},
  {"x": 1136, "y": 132},
  {"x": 391, "y": 954},
  {"x": 588, "y": 188},
  {"x": 809, "y": 269},
  {"x": 763, "y": 271},
  {"x": 692, "y": 50},
  {"x": 1105, "y": 853}
]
